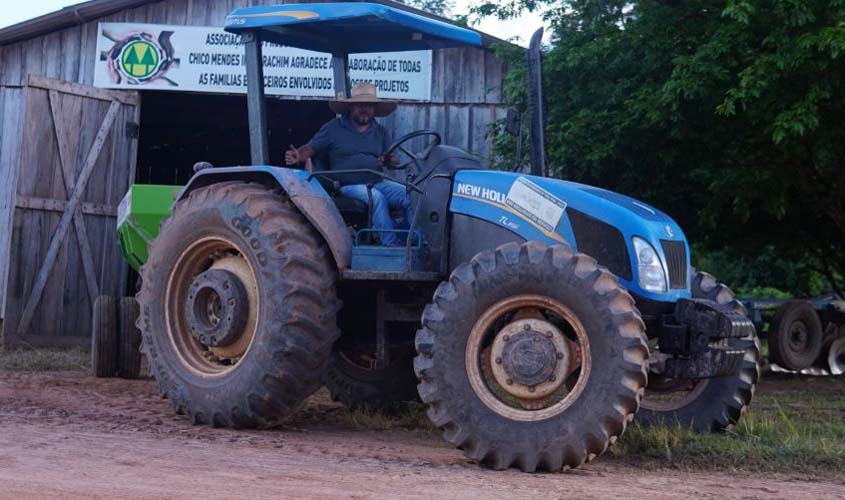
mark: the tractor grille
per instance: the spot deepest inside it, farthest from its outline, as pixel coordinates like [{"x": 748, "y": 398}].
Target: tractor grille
[
  {"x": 676, "y": 261},
  {"x": 601, "y": 241}
]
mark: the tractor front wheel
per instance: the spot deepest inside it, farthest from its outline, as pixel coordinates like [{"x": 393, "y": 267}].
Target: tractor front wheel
[
  {"x": 531, "y": 356},
  {"x": 705, "y": 405},
  {"x": 238, "y": 306}
]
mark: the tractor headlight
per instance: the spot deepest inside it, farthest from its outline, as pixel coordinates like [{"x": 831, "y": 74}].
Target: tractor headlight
[{"x": 651, "y": 273}]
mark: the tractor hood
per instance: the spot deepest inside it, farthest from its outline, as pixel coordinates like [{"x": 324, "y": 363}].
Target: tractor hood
[{"x": 600, "y": 223}]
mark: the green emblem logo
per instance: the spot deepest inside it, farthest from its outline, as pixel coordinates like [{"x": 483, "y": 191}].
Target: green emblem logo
[{"x": 140, "y": 59}]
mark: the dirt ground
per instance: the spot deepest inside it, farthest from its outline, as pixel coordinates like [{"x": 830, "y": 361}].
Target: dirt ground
[{"x": 69, "y": 435}]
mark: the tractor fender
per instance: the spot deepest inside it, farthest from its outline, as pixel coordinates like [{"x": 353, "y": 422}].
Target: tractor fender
[{"x": 307, "y": 194}]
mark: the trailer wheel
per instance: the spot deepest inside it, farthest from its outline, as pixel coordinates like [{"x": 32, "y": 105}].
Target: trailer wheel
[
  {"x": 129, "y": 360},
  {"x": 531, "y": 356},
  {"x": 705, "y": 405},
  {"x": 354, "y": 381},
  {"x": 795, "y": 338},
  {"x": 104, "y": 339},
  {"x": 238, "y": 306}
]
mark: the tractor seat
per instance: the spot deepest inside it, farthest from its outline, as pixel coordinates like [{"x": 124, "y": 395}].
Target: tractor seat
[{"x": 354, "y": 212}]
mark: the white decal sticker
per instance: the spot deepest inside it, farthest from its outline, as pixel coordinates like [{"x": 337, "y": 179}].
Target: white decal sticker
[{"x": 535, "y": 204}]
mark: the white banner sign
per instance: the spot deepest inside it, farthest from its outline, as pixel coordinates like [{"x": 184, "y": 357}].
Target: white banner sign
[{"x": 198, "y": 59}]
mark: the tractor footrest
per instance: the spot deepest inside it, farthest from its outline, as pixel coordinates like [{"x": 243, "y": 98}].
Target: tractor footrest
[
  {"x": 713, "y": 362},
  {"x": 381, "y": 258}
]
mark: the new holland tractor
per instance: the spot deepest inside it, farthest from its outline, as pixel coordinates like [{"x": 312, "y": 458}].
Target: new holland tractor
[{"x": 534, "y": 317}]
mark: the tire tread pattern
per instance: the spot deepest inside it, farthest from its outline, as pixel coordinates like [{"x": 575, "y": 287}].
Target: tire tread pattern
[
  {"x": 467, "y": 431},
  {"x": 303, "y": 279}
]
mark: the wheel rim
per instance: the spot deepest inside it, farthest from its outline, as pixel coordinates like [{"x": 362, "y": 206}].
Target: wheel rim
[
  {"x": 189, "y": 303},
  {"x": 665, "y": 393},
  {"x": 798, "y": 337},
  {"x": 528, "y": 357}
]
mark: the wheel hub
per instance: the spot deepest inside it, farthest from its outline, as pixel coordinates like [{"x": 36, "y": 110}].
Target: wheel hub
[
  {"x": 217, "y": 308},
  {"x": 798, "y": 337},
  {"x": 531, "y": 358}
]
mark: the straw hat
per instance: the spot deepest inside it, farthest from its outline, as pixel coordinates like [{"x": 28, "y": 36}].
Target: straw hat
[{"x": 363, "y": 92}]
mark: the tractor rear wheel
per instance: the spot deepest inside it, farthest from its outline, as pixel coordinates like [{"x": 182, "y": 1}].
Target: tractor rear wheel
[
  {"x": 796, "y": 336},
  {"x": 531, "y": 356},
  {"x": 238, "y": 306},
  {"x": 354, "y": 380},
  {"x": 705, "y": 405}
]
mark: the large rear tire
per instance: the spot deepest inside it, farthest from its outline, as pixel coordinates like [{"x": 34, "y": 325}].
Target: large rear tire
[
  {"x": 796, "y": 336},
  {"x": 706, "y": 405},
  {"x": 238, "y": 306},
  {"x": 531, "y": 356}
]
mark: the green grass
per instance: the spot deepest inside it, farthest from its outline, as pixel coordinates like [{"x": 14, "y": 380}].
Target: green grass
[
  {"x": 406, "y": 416},
  {"x": 795, "y": 426},
  {"x": 44, "y": 360}
]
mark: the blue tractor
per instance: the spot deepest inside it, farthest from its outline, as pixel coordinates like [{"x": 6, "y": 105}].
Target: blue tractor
[{"x": 534, "y": 317}]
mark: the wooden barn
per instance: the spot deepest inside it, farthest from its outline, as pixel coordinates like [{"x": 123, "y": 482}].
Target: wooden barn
[{"x": 69, "y": 147}]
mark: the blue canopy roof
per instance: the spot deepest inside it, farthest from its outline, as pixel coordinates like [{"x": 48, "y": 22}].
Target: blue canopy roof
[{"x": 349, "y": 28}]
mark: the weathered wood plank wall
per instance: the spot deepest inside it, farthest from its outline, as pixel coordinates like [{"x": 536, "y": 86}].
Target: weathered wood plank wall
[
  {"x": 11, "y": 117},
  {"x": 55, "y": 272},
  {"x": 466, "y": 82}
]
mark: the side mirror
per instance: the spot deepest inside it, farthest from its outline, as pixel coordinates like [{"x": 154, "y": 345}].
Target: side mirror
[{"x": 513, "y": 124}]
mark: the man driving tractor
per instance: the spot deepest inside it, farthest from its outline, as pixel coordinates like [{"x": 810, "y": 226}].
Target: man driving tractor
[{"x": 355, "y": 140}]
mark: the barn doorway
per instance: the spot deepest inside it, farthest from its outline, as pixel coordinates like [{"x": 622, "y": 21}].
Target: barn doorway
[{"x": 178, "y": 129}]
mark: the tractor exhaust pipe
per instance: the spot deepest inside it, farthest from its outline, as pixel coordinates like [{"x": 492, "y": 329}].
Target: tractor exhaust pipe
[{"x": 535, "y": 104}]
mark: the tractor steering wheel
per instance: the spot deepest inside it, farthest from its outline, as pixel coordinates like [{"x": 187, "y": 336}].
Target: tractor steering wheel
[{"x": 414, "y": 159}]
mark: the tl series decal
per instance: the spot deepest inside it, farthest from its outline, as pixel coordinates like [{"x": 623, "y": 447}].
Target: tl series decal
[{"x": 525, "y": 199}]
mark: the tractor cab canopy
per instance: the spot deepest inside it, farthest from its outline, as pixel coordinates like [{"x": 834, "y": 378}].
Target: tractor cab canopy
[
  {"x": 340, "y": 28},
  {"x": 337, "y": 28}
]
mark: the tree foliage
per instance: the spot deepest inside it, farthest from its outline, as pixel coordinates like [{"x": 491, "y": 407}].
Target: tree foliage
[
  {"x": 727, "y": 115},
  {"x": 439, "y": 7}
]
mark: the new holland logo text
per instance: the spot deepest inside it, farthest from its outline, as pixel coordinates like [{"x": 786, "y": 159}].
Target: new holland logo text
[{"x": 481, "y": 192}]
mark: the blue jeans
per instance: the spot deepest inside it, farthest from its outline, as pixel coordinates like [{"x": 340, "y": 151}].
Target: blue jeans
[{"x": 387, "y": 195}]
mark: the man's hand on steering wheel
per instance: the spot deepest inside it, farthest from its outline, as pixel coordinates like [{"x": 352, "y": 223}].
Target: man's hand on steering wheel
[{"x": 389, "y": 159}]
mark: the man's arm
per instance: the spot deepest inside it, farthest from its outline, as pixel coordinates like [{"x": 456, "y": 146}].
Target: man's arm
[
  {"x": 295, "y": 155},
  {"x": 320, "y": 142},
  {"x": 386, "y": 141}
]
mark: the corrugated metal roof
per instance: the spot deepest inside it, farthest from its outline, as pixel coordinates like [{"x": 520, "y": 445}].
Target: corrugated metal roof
[{"x": 95, "y": 9}]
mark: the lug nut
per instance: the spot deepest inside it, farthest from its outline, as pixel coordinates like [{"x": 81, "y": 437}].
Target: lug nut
[
  {"x": 531, "y": 389},
  {"x": 527, "y": 327},
  {"x": 548, "y": 335},
  {"x": 509, "y": 382},
  {"x": 506, "y": 338},
  {"x": 552, "y": 378},
  {"x": 498, "y": 361},
  {"x": 559, "y": 354}
]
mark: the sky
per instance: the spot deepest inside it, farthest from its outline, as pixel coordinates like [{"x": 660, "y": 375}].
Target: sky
[{"x": 16, "y": 11}]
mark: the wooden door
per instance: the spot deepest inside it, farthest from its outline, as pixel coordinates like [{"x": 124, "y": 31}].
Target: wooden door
[{"x": 77, "y": 158}]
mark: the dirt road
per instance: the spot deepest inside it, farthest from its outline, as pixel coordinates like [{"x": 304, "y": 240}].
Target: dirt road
[{"x": 69, "y": 435}]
